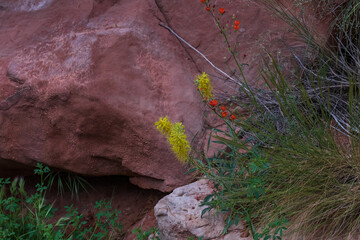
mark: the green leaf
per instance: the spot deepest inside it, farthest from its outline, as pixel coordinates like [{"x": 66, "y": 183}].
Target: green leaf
[{"x": 205, "y": 210}]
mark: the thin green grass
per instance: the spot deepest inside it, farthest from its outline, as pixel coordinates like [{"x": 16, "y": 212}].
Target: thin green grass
[
  {"x": 315, "y": 178},
  {"x": 67, "y": 181}
]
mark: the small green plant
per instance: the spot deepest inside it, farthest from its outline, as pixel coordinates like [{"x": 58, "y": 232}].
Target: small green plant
[
  {"x": 240, "y": 183},
  {"x": 272, "y": 231}
]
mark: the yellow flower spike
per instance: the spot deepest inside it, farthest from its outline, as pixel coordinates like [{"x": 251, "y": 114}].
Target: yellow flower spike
[
  {"x": 204, "y": 86},
  {"x": 176, "y": 136},
  {"x": 179, "y": 143},
  {"x": 164, "y": 125}
]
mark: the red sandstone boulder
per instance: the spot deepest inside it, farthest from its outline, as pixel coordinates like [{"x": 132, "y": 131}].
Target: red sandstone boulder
[
  {"x": 82, "y": 85},
  {"x": 82, "y": 82}
]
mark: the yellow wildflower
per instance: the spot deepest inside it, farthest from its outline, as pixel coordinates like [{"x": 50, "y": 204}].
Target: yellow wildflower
[
  {"x": 179, "y": 143},
  {"x": 204, "y": 86},
  {"x": 164, "y": 125},
  {"x": 176, "y": 136}
]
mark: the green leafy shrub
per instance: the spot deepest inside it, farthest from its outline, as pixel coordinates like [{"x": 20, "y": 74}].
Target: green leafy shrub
[{"x": 24, "y": 216}]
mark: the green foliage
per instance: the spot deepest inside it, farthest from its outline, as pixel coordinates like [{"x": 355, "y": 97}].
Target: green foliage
[
  {"x": 24, "y": 216},
  {"x": 240, "y": 180},
  {"x": 312, "y": 176},
  {"x": 272, "y": 231},
  {"x": 285, "y": 162}
]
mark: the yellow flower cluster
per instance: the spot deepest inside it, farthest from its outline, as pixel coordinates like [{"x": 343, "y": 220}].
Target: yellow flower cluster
[
  {"x": 164, "y": 125},
  {"x": 179, "y": 143},
  {"x": 204, "y": 86},
  {"x": 176, "y": 136}
]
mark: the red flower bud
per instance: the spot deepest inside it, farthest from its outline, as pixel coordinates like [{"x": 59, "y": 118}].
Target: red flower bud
[
  {"x": 223, "y": 108},
  {"x": 207, "y": 8},
  {"x": 203, "y": 1},
  {"x": 222, "y": 11},
  {"x": 236, "y": 23},
  {"x": 236, "y": 27},
  {"x": 233, "y": 117}
]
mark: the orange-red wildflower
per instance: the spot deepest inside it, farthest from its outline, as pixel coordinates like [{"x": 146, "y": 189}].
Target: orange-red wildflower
[
  {"x": 233, "y": 117},
  {"x": 236, "y": 27},
  {"x": 222, "y": 11},
  {"x": 236, "y": 23},
  {"x": 207, "y": 8},
  {"x": 223, "y": 108},
  {"x": 213, "y": 103},
  {"x": 224, "y": 114}
]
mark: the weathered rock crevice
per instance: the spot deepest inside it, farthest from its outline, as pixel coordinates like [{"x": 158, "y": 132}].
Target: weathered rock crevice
[
  {"x": 14, "y": 79},
  {"x": 12, "y": 100},
  {"x": 168, "y": 23},
  {"x": 101, "y": 6}
]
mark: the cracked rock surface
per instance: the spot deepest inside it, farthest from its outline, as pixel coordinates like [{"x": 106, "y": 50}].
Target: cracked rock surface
[
  {"x": 82, "y": 83},
  {"x": 179, "y": 216}
]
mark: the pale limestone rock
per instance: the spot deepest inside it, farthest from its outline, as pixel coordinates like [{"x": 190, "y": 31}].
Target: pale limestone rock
[{"x": 179, "y": 215}]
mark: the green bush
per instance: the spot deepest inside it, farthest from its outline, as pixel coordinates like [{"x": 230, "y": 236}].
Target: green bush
[{"x": 27, "y": 217}]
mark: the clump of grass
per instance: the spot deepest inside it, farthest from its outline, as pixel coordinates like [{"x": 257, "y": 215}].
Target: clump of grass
[
  {"x": 313, "y": 179},
  {"x": 67, "y": 181}
]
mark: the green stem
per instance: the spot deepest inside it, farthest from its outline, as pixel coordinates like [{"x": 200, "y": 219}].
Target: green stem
[
  {"x": 252, "y": 229},
  {"x": 229, "y": 46},
  {"x": 246, "y": 87},
  {"x": 96, "y": 226}
]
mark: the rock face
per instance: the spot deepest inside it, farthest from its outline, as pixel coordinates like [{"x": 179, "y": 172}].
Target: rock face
[
  {"x": 82, "y": 82},
  {"x": 179, "y": 216}
]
